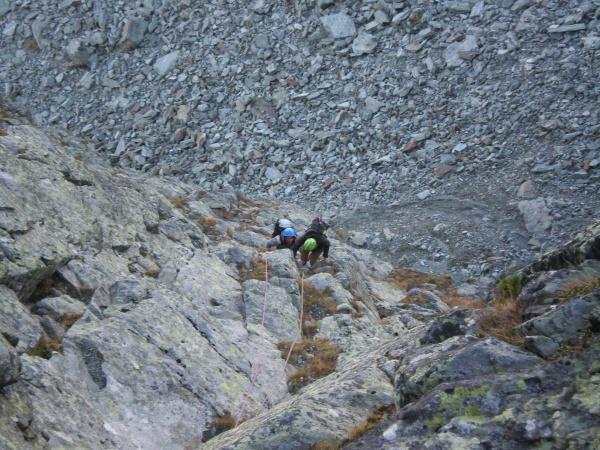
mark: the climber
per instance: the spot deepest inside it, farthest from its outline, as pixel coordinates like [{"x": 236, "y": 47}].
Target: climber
[
  {"x": 313, "y": 242},
  {"x": 286, "y": 239},
  {"x": 280, "y": 225}
]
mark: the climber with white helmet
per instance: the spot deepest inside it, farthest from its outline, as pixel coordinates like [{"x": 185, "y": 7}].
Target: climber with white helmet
[
  {"x": 286, "y": 239},
  {"x": 284, "y": 235}
]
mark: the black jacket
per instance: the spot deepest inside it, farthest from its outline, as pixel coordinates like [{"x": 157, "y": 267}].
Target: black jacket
[{"x": 322, "y": 242}]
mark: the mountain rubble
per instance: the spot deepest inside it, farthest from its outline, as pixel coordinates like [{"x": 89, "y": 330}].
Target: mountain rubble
[{"x": 340, "y": 104}]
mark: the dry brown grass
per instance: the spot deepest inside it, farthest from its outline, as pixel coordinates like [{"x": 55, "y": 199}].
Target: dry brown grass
[
  {"x": 179, "y": 202},
  {"x": 230, "y": 231},
  {"x": 358, "y": 314},
  {"x": 256, "y": 271},
  {"x": 456, "y": 300},
  {"x": 316, "y": 306},
  {"x": 314, "y": 359},
  {"x": 31, "y": 44},
  {"x": 45, "y": 346},
  {"x": 578, "y": 286},
  {"x": 501, "y": 321},
  {"x": 219, "y": 425},
  {"x": 3, "y": 133},
  {"x": 207, "y": 221},
  {"x": 407, "y": 279},
  {"x": 373, "y": 419}
]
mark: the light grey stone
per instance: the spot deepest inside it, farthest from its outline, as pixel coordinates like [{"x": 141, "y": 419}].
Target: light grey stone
[
  {"x": 536, "y": 215},
  {"x": 339, "y": 25},
  {"x": 166, "y": 63},
  {"x": 133, "y": 33},
  {"x": 363, "y": 43}
]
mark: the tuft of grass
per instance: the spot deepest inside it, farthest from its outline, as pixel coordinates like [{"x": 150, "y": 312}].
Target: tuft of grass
[
  {"x": 456, "y": 300},
  {"x": 31, "y": 44},
  {"x": 578, "y": 286},
  {"x": 256, "y": 271},
  {"x": 501, "y": 321},
  {"x": 207, "y": 221},
  {"x": 316, "y": 306},
  {"x": 219, "y": 425},
  {"x": 505, "y": 313},
  {"x": 509, "y": 287},
  {"x": 314, "y": 359},
  {"x": 230, "y": 231},
  {"x": 407, "y": 279},
  {"x": 45, "y": 346},
  {"x": 358, "y": 314},
  {"x": 373, "y": 419},
  {"x": 3, "y": 133},
  {"x": 179, "y": 202}
]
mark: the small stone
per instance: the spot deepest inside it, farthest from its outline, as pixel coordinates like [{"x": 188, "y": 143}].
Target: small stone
[
  {"x": 387, "y": 234},
  {"x": 372, "y": 104},
  {"x": 363, "y": 43},
  {"x": 339, "y": 25},
  {"x": 424, "y": 194},
  {"x": 520, "y": 4},
  {"x": 536, "y": 215},
  {"x": 541, "y": 345},
  {"x": 591, "y": 42},
  {"x": 4, "y": 7},
  {"x": 133, "y": 33},
  {"x": 456, "y": 52},
  {"x": 390, "y": 433},
  {"x": 273, "y": 174},
  {"x": 381, "y": 17},
  {"x": 544, "y": 168},
  {"x": 459, "y": 147},
  {"x": 64, "y": 309},
  {"x": 443, "y": 169},
  {"x": 566, "y": 28},
  {"x": 359, "y": 239},
  {"x": 179, "y": 134},
  {"x": 344, "y": 308},
  {"x": 325, "y": 3},
  {"x": 477, "y": 9},
  {"x": 166, "y": 63},
  {"x": 527, "y": 190},
  {"x": 78, "y": 55},
  {"x": 409, "y": 147}
]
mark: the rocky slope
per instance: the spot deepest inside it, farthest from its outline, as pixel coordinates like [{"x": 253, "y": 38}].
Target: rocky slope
[
  {"x": 132, "y": 317},
  {"x": 429, "y": 109}
]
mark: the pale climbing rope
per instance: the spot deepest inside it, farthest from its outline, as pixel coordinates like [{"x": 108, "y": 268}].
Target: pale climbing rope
[
  {"x": 256, "y": 363},
  {"x": 301, "y": 318}
]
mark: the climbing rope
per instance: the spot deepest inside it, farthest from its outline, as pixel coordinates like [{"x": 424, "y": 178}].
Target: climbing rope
[
  {"x": 301, "y": 318},
  {"x": 256, "y": 363}
]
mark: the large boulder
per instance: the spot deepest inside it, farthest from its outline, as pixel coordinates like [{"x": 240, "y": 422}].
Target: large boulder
[
  {"x": 272, "y": 306},
  {"x": 17, "y": 325},
  {"x": 10, "y": 364},
  {"x": 63, "y": 309},
  {"x": 458, "y": 358},
  {"x": 568, "y": 322}
]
